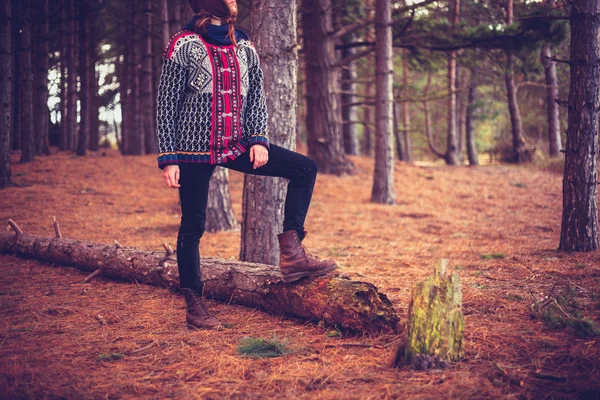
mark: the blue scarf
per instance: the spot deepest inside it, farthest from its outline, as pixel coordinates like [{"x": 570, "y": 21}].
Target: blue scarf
[{"x": 216, "y": 34}]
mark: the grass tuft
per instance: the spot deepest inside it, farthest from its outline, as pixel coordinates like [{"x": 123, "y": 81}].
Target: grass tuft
[
  {"x": 492, "y": 256},
  {"x": 262, "y": 348}
]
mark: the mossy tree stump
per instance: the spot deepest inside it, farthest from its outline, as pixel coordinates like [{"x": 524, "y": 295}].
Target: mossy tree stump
[{"x": 435, "y": 322}]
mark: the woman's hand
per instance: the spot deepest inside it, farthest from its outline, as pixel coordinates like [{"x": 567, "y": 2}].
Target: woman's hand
[
  {"x": 171, "y": 176},
  {"x": 259, "y": 155}
]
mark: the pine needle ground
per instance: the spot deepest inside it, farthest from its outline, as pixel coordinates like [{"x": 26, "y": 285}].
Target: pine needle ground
[{"x": 104, "y": 339}]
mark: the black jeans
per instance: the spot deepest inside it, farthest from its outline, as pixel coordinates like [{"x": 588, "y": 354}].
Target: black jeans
[{"x": 193, "y": 193}]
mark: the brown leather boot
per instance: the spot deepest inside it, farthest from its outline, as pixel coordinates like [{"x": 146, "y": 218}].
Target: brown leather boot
[
  {"x": 296, "y": 261},
  {"x": 197, "y": 316}
]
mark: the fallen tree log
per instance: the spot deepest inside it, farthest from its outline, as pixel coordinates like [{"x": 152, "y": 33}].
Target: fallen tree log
[{"x": 350, "y": 305}]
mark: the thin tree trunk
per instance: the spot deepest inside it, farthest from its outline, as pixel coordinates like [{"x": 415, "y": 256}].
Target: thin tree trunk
[
  {"x": 513, "y": 103},
  {"x": 164, "y": 19},
  {"x": 428, "y": 125},
  {"x": 219, "y": 213},
  {"x": 264, "y": 197},
  {"x": 349, "y": 115},
  {"x": 93, "y": 109},
  {"x": 405, "y": 110},
  {"x": 472, "y": 109},
  {"x": 551, "y": 105},
  {"x": 26, "y": 83},
  {"x": 147, "y": 89},
  {"x": 383, "y": 179},
  {"x": 367, "y": 113},
  {"x": 175, "y": 18},
  {"x": 82, "y": 137},
  {"x": 16, "y": 89},
  {"x": 398, "y": 134},
  {"x": 452, "y": 137},
  {"x": 579, "y": 231},
  {"x": 325, "y": 141},
  {"x": 64, "y": 98},
  {"x": 71, "y": 76},
  {"x": 6, "y": 88},
  {"x": 41, "y": 114}
]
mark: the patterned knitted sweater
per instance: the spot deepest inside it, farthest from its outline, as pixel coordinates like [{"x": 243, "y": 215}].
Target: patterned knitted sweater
[{"x": 211, "y": 101}]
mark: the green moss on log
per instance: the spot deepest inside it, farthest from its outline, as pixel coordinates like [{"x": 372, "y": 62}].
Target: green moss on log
[{"x": 435, "y": 321}]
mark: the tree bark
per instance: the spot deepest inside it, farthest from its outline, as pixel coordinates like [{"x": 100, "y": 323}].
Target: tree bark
[
  {"x": 16, "y": 100},
  {"x": 452, "y": 137},
  {"x": 579, "y": 231},
  {"x": 71, "y": 75},
  {"x": 26, "y": 83},
  {"x": 6, "y": 88},
  {"x": 354, "y": 306},
  {"x": 175, "y": 17},
  {"x": 64, "y": 98},
  {"x": 513, "y": 102},
  {"x": 264, "y": 197},
  {"x": 472, "y": 109},
  {"x": 347, "y": 98},
  {"x": 41, "y": 114},
  {"x": 551, "y": 104},
  {"x": 405, "y": 110},
  {"x": 82, "y": 137},
  {"x": 147, "y": 87},
  {"x": 398, "y": 133},
  {"x": 164, "y": 18},
  {"x": 219, "y": 213},
  {"x": 383, "y": 179},
  {"x": 428, "y": 125},
  {"x": 324, "y": 135},
  {"x": 94, "y": 103}
]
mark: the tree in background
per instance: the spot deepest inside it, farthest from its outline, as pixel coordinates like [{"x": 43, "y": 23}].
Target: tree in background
[
  {"x": 579, "y": 231},
  {"x": 324, "y": 136},
  {"x": 383, "y": 179},
  {"x": 6, "y": 86}
]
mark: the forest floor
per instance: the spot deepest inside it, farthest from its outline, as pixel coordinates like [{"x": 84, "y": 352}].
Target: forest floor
[{"x": 499, "y": 226}]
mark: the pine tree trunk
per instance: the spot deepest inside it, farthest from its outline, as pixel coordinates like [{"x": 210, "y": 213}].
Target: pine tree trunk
[
  {"x": 579, "y": 231},
  {"x": 26, "y": 83},
  {"x": 64, "y": 98},
  {"x": 324, "y": 134},
  {"x": 398, "y": 134},
  {"x": 82, "y": 137},
  {"x": 405, "y": 110},
  {"x": 219, "y": 214},
  {"x": 6, "y": 88},
  {"x": 428, "y": 125},
  {"x": 352, "y": 305},
  {"x": 164, "y": 20},
  {"x": 551, "y": 105},
  {"x": 472, "y": 109},
  {"x": 347, "y": 98},
  {"x": 93, "y": 109},
  {"x": 147, "y": 89},
  {"x": 16, "y": 99},
  {"x": 383, "y": 179},
  {"x": 452, "y": 137},
  {"x": 71, "y": 76},
  {"x": 175, "y": 17},
  {"x": 264, "y": 197},
  {"x": 513, "y": 102},
  {"x": 41, "y": 123}
]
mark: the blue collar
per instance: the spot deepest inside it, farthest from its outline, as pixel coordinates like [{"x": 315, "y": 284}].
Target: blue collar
[{"x": 216, "y": 34}]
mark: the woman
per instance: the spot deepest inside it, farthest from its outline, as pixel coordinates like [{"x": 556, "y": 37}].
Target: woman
[{"x": 212, "y": 111}]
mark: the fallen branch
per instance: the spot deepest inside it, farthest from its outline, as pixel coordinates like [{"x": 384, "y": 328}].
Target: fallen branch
[{"x": 354, "y": 306}]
